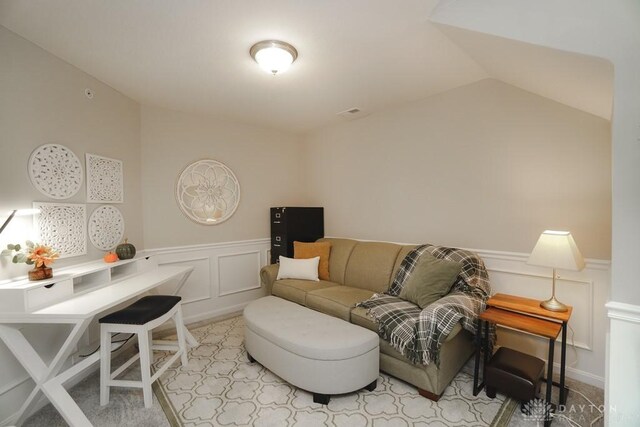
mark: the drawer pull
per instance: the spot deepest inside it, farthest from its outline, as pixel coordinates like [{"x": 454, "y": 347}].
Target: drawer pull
[
  {"x": 276, "y": 222},
  {"x": 50, "y": 286},
  {"x": 277, "y": 246}
]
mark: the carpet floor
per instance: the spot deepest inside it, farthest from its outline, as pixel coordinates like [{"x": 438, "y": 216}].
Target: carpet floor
[{"x": 220, "y": 387}]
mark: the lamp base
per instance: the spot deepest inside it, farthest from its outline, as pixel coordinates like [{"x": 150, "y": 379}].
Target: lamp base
[{"x": 553, "y": 305}]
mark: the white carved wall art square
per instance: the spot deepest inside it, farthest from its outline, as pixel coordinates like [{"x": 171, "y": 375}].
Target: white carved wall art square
[
  {"x": 105, "y": 182},
  {"x": 63, "y": 226}
]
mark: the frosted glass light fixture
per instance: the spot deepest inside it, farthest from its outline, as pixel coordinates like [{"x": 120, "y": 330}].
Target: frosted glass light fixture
[
  {"x": 273, "y": 56},
  {"x": 556, "y": 249}
]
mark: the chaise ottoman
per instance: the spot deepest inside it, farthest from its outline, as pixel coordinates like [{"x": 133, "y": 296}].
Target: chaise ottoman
[{"x": 311, "y": 350}]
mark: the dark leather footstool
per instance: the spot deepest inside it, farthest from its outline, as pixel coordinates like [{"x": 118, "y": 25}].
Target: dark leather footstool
[{"x": 513, "y": 373}]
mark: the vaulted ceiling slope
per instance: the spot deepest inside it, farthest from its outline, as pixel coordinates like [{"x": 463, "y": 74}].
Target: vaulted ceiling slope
[{"x": 194, "y": 55}]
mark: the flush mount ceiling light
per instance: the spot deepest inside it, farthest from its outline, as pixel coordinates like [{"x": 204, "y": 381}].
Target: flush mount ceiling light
[{"x": 273, "y": 56}]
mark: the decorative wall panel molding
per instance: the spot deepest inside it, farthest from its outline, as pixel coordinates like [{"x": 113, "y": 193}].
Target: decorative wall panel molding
[
  {"x": 55, "y": 171},
  {"x": 105, "y": 181},
  {"x": 198, "y": 285},
  {"x": 577, "y": 293},
  {"x": 62, "y": 226},
  {"x": 106, "y": 227},
  {"x": 238, "y": 272},
  {"x": 207, "y": 192}
]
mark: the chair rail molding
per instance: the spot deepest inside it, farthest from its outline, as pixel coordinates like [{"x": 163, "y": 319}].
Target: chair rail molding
[{"x": 623, "y": 311}]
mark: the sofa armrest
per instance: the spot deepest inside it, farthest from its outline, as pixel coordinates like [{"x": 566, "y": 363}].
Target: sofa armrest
[
  {"x": 268, "y": 275},
  {"x": 456, "y": 330}
]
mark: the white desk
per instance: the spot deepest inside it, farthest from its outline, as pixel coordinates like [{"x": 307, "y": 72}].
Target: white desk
[{"x": 78, "y": 312}]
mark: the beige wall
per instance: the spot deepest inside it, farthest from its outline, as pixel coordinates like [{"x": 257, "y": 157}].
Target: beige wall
[
  {"x": 42, "y": 100},
  {"x": 266, "y": 163},
  {"x": 485, "y": 166}
]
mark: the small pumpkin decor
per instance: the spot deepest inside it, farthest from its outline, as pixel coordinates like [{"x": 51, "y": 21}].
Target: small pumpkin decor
[
  {"x": 126, "y": 250},
  {"x": 110, "y": 257}
]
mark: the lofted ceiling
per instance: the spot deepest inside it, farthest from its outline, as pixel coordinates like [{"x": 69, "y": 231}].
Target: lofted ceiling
[{"x": 193, "y": 55}]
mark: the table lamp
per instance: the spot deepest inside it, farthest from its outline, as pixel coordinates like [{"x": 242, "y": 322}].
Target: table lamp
[
  {"x": 556, "y": 249},
  {"x": 17, "y": 212}
]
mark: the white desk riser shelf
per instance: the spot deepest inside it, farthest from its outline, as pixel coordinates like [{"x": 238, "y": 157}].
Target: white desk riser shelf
[{"x": 24, "y": 296}]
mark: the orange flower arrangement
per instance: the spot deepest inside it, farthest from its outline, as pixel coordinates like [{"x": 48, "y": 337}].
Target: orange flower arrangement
[{"x": 40, "y": 256}]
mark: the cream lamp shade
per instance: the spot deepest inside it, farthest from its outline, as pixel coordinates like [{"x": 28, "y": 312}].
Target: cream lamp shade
[{"x": 556, "y": 249}]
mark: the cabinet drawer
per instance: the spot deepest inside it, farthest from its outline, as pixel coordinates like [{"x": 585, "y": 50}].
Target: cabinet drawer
[
  {"x": 48, "y": 295},
  {"x": 276, "y": 251},
  {"x": 277, "y": 214}
]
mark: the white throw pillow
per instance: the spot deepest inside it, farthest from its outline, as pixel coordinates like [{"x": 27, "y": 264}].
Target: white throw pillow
[{"x": 305, "y": 269}]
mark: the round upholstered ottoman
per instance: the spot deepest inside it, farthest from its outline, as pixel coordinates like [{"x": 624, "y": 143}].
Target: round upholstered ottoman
[{"x": 311, "y": 350}]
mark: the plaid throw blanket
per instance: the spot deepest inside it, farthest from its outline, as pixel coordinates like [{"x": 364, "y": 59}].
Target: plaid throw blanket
[{"x": 418, "y": 333}]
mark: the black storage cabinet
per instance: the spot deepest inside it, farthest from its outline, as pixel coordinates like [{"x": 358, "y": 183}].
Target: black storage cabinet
[{"x": 294, "y": 223}]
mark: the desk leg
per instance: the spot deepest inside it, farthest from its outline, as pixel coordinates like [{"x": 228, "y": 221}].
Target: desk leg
[
  {"x": 41, "y": 373},
  {"x": 563, "y": 362},
  {"x": 549, "y": 381},
  {"x": 191, "y": 340}
]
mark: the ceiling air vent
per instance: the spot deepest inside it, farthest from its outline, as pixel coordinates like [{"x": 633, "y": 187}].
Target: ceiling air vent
[{"x": 351, "y": 113}]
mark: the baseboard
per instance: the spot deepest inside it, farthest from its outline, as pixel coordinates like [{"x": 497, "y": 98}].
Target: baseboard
[
  {"x": 582, "y": 376},
  {"x": 210, "y": 315}
]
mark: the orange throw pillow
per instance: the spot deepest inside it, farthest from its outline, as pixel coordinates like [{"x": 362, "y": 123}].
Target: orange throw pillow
[{"x": 302, "y": 250}]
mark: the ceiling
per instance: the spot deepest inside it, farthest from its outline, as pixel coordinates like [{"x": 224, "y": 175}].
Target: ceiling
[
  {"x": 580, "y": 81},
  {"x": 193, "y": 55}
]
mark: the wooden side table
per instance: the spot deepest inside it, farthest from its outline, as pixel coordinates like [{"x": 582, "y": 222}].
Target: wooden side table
[{"x": 524, "y": 314}]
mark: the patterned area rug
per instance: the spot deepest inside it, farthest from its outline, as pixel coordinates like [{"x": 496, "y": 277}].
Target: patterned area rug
[{"x": 220, "y": 387}]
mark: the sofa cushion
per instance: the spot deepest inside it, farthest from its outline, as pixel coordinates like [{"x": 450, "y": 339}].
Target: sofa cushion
[
  {"x": 401, "y": 255},
  {"x": 304, "y": 269},
  {"x": 303, "y": 250},
  {"x": 431, "y": 280},
  {"x": 360, "y": 317},
  {"x": 337, "y": 301},
  {"x": 340, "y": 253},
  {"x": 296, "y": 290},
  {"x": 370, "y": 265}
]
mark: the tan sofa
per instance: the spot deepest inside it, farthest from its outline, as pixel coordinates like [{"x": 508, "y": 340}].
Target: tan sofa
[{"x": 358, "y": 270}]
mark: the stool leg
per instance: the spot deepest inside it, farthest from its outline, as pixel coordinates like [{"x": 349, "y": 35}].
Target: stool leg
[
  {"x": 150, "y": 338},
  {"x": 105, "y": 365},
  {"x": 145, "y": 367},
  {"x": 182, "y": 342}
]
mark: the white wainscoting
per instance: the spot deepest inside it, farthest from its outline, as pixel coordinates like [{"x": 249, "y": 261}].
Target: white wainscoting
[
  {"x": 225, "y": 278},
  {"x": 623, "y": 388},
  {"x": 586, "y": 291}
]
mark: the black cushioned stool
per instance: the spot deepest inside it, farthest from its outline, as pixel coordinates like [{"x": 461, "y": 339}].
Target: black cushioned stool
[
  {"x": 140, "y": 318},
  {"x": 513, "y": 373}
]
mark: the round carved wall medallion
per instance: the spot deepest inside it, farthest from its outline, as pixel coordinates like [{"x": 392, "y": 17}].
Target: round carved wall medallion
[
  {"x": 207, "y": 192},
  {"x": 55, "y": 171},
  {"x": 106, "y": 227}
]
